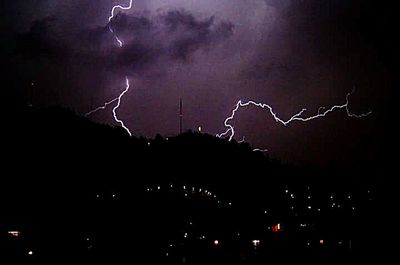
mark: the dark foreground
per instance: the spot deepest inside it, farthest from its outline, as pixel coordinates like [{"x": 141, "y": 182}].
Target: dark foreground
[{"x": 76, "y": 192}]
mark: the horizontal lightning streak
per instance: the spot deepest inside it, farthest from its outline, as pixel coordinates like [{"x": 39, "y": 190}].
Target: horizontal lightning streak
[{"x": 322, "y": 112}]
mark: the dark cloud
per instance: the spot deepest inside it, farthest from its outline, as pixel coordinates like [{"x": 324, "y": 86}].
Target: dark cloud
[
  {"x": 39, "y": 41},
  {"x": 170, "y": 35},
  {"x": 278, "y": 3}
]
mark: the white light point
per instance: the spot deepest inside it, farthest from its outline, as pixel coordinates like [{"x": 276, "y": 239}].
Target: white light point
[{"x": 322, "y": 112}]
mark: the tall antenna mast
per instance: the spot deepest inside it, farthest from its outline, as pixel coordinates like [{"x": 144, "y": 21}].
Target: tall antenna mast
[{"x": 180, "y": 116}]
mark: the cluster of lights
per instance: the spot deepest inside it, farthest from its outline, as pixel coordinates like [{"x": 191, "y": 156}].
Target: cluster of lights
[
  {"x": 189, "y": 190},
  {"x": 333, "y": 202}
]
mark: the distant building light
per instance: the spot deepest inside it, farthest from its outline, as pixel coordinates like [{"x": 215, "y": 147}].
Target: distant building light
[
  {"x": 114, "y": 195},
  {"x": 30, "y": 252},
  {"x": 148, "y": 143},
  {"x": 321, "y": 242},
  {"x": 98, "y": 196},
  {"x": 256, "y": 243},
  {"x": 14, "y": 233},
  {"x": 185, "y": 236},
  {"x": 199, "y": 128},
  {"x": 287, "y": 191},
  {"x": 292, "y": 196},
  {"x": 230, "y": 204},
  {"x": 184, "y": 187},
  {"x": 309, "y": 207},
  {"x": 309, "y": 197},
  {"x": 158, "y": 187},
  {"x": 216, "y": 242}
]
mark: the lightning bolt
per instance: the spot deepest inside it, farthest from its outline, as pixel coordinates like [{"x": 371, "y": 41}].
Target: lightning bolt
[
  {"x": 322, "y": 112},
  {"x": 117, "y": 106},
  {"x": 119, "y": 98},
  {"x": 120, "y": 43}
]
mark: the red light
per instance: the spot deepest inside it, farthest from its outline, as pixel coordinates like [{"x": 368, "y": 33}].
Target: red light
[{"x": 276, "y": 228}]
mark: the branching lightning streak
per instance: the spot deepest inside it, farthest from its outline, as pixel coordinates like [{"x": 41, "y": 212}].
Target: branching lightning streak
[
  {"x": 102, "y": 107},
  {"x": 119, "y": 98},
  {"x": 322, "y": 112}
]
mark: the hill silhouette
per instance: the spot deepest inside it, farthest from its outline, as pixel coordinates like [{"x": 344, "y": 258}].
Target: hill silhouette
[{"x": 72, "y": 184}]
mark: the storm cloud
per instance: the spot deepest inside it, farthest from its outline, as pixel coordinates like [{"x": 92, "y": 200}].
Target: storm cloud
[{"x": 170, "y": 35}]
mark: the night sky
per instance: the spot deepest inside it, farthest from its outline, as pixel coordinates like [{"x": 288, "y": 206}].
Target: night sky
[{"x": 291, "y": 54}]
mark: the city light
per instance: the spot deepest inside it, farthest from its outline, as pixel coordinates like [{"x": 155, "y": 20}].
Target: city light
[
  {"x": 14, "y": 233},
  {"x": 256, "y": 243}
]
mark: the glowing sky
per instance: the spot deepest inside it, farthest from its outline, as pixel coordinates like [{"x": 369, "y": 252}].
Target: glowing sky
[{"x": 211, "y": 53}]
